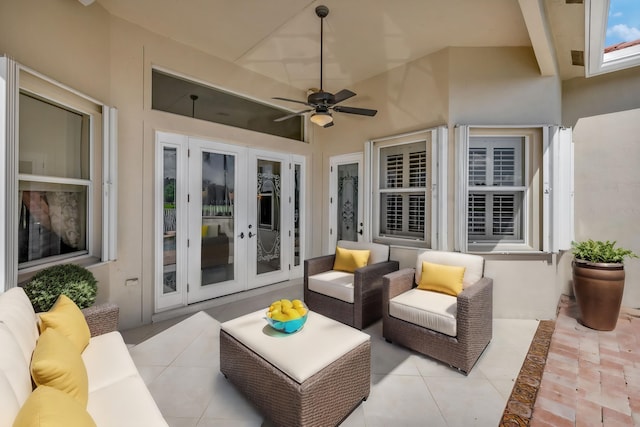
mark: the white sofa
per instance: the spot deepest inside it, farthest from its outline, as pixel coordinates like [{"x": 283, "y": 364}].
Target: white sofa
[{"x": 118, "y": 396}]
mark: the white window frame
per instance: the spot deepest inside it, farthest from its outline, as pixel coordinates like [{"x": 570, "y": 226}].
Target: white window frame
[
  {"x": 555, "y": 218},
  {"x": 597, "y": 61},
  {"x": 437, "y": 202},
  {"x": 10, "y": 87}
]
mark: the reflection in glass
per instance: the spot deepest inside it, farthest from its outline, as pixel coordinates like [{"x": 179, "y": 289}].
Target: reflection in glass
[
  {"x": 53, "y": 220},
  {"x": 348, "y": 202},
  {"x": 218, "y": 185},
  {"x": 268, "y": 200},
  {"x": 169, "y": 227}
]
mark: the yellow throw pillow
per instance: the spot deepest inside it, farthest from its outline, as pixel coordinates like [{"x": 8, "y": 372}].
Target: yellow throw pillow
[
  {"x": 48, "y": 407},
  {"x": 67, "y": 318},
  {"x": 57, "y": 363},
  {"x": 205, "y": 230},
  {"x": 446, "y": 279},
  {"x": 350, "y": 260}
]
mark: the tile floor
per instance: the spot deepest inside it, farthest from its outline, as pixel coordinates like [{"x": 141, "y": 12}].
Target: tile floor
[{"x": 178, "y": 359}]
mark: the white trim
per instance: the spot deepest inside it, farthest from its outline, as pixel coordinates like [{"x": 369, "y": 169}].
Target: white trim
[
  {"x": 547, "y": 185},
  {"x": 596, "y": 61},
  {"x": 298, "y": 270},
  {"x": 439, "y": 189},
  {"x": 109, "y": 183},
  {"x": 461, "y": 195},
  {"x": 10, "y": 86},
  {"x": 563, "y": 186}
]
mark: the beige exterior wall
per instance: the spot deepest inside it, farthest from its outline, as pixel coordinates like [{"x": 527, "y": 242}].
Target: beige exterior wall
[{"x": 110, "y": 60}]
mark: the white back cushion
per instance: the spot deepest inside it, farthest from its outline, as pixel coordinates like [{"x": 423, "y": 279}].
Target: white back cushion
[
  {"x": 17, "y": 313},
  {"x": 9, "y": 405},
  {"x": 379, "y": 252},
  {"x": 13, "y": 369},
  {"x": 474, "y": 264}
]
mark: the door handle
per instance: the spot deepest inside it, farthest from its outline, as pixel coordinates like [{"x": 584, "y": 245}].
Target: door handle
[
  {"x": 241, "y": 235},
  {"x": 361, "y": 232},
  {"x": 251, "y": 234}
]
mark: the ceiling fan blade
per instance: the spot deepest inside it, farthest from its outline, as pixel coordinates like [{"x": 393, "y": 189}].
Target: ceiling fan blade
[
  {"x": 328, "y": 125},
  {"x": 343, "y": 94},
  {"x": 292, "y": 100},
  {"x": 299, "y": 113},
  {"x": 353, "y": 110}
]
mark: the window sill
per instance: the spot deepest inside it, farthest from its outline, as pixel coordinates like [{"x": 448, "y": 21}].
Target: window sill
[{"x": 84, "y": 260}]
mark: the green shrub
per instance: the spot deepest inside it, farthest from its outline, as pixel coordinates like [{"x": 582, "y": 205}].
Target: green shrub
[
  {"x": 599, "y": 251},
  {"x": 72, "y": 280}
]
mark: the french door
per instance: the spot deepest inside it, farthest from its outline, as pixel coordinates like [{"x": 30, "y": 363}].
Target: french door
[
  {"x": 346, "y": 213},
  {"x": 230, "y": 218}
]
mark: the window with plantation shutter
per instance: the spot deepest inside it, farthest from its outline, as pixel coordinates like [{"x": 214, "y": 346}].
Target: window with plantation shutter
[
  {"x": 514, "y": 189},
  {"x": 495, "y": 187},
  {"x": 406, "y": 207},
  {"x": 403, "y": 185}
]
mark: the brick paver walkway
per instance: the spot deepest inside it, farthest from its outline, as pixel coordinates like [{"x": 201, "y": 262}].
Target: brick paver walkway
[{"x": 591, "y": 378}]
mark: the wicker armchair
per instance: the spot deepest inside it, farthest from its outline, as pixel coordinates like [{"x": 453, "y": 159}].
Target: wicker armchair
[
  {"x": 353, "y": 299},
  {"x": 470, "y": 314}
]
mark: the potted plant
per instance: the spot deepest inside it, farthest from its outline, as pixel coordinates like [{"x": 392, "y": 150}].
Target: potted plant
[
  {"x": 598, "y": 282},
  {"x": 74, "y": 281}
]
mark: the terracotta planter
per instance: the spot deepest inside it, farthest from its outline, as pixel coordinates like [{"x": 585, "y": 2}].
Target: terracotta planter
[{"x": 598, "y": 288}]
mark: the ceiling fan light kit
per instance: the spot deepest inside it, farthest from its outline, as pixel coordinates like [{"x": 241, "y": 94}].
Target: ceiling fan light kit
[
  {"x": 321, "y": 102},
  {"x": 321, "y": 119}
]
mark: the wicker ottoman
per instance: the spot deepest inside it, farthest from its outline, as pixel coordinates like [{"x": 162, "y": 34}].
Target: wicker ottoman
[{"x": 314, "y": 377}]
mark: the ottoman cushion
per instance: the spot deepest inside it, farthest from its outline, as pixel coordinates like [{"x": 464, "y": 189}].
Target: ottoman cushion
[{"x": 319, "y": 343}]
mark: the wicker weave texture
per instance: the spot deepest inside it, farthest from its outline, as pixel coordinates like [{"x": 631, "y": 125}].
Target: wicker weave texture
[
  {"x": 324, "y": 399},
  {"x": 474, "y": 324},
  {"x": 367, "y": 293},
  {"x": 102, "y": 318}
]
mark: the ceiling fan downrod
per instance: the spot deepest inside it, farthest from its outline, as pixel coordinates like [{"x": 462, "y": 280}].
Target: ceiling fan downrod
[{"x": 322, "y": 11}]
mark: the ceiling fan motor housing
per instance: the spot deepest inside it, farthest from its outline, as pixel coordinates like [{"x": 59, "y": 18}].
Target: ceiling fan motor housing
[{"x": 321, "y": 98}]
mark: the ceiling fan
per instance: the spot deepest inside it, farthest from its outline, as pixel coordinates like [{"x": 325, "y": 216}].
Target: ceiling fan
[{"x": 323, "y": 103}]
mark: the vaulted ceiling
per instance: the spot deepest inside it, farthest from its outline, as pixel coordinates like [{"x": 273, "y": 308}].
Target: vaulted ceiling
[{"x": 363, "y": 38}]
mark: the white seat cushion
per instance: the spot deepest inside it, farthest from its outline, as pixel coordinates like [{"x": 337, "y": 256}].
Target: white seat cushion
[
  {"x": 320, "y": 342},
  {"x": 431, "y": 310},
  {"x": 107, "y": 360},
  {"x": 473, "y": 264},
  {"x": 378, "y": 252},
  {"x": 125, "y": 403},
  {"x": 335, "y": 284}
]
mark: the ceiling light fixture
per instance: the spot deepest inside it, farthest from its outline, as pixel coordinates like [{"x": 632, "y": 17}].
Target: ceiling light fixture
[{"x": 321, "y": 119}]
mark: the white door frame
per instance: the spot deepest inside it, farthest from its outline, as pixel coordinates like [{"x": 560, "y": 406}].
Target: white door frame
[{"x": 189, "y": 219}]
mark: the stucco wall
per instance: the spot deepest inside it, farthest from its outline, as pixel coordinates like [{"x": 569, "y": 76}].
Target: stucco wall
[
  {"x": 110, "y": 60},
  {"x": 475, "y": 86}
]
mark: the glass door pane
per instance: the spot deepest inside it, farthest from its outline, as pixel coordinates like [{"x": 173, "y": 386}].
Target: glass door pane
[
  {"x": 217, "y": 219},
  {"x": 297, "y": 178},
  {"x": 169, "y": 273},
  {"x": 269, "y": 221},
  {"x": 347, "y": 205}
]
